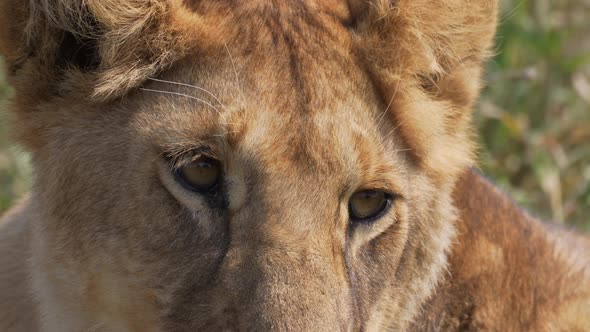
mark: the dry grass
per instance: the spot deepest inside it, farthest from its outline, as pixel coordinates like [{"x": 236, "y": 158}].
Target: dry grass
[{"x": 534, "y": 117}]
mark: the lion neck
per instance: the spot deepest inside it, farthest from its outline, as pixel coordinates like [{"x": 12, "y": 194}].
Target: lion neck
[{"x": 501, "y": 257}]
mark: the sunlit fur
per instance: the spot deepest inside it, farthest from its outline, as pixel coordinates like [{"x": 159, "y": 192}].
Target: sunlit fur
[{"x": 304, "y": 103}]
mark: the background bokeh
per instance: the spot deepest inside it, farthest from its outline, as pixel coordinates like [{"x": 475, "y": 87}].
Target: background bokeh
[{"x": 533, "y": 118}]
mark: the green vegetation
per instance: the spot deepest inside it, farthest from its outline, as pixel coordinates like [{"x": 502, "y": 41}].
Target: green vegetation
[
  {"x": 533, "y": 118},
  {"x": 14, "y": 166}
]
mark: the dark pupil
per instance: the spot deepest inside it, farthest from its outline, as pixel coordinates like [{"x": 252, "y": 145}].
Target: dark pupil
[
  {"x": 367, "y": 204},
  {"x": 201, "y": 174}
]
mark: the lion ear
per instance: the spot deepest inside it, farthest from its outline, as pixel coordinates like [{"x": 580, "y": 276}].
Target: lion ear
[
  {"x": 426, "y": 56},
  {"x": 427, "y": 35},
  {"x": 101, "y": 47}
]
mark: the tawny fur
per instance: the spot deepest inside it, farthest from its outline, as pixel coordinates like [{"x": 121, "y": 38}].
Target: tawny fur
[{"x": 304, "y": 103}]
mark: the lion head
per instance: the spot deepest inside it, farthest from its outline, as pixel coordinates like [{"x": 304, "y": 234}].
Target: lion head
[{"x": 248, "y": 165}]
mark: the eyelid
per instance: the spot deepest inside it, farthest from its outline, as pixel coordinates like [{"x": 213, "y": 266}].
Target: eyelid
[
  {"x": 178, "y": 159},
  {"x": 386, "y": 191},
  {"x": 383, "y": 186},
  {"x": 386, "y": 209}
]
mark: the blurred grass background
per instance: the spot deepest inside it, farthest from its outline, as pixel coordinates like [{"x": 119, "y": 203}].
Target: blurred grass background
[
  {"x": 533, "y": 118},
  {"x": 15, "y": 171},
  {"x": 534, "y": 115}
]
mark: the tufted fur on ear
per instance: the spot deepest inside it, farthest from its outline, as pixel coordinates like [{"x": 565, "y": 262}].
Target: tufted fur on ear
[
  {"x": 426, "y": 56},
  {"x": 100, "y": 48}
]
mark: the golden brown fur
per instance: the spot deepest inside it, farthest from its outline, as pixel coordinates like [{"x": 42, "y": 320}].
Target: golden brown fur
[
  {"x": 304, "y": 103},
  {"x": 507, "y": 271}
]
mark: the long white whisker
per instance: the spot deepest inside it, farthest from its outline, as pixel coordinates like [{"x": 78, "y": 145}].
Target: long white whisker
[
  {"x": 226, "y": 133},
  {"x": 235, "y": 71},
  {"x": 95, "y": 327},
  {"x": 388, "y": 105},
  {"x": 182, "y": 95},
  {"x": 385, "y": 112},
  {"x": 189, "y": 86},
  {"x": 394, "y": 129}
]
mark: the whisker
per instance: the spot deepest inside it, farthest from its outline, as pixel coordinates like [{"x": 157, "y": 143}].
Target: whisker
[
  {"x": 95, "y": 327},
  {"x": 182, "y": 95},
  {"x": 235, "y": 71},
  {"x": 394, "y": 129},
  {"x": 226, "y": 133},
  {"x": 189, "y": 86},
  {"x": 385, "y": 112},
  {"x": 513, "y": 12},
  {"x": 388, "y": 106}
]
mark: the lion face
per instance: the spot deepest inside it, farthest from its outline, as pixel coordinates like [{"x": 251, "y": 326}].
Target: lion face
[{"x": 252, "y": 166}]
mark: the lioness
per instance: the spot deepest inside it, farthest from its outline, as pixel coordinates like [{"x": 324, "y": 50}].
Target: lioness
[{"x": 266, "y": 165}]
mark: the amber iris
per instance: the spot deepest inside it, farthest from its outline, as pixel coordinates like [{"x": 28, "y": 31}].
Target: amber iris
[
  {"x": 368, "y": 205},
  {"x": 200, "y": 175}
]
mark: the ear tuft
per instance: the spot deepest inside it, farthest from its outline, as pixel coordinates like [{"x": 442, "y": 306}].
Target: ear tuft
[
  {"x": 100, "y": 48},
  {"x": 80, "y": 52}
]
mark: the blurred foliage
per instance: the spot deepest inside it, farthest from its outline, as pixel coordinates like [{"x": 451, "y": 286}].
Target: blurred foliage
[
  {"x": 533, "y": 118},
  {"x": 15, "y": 171},
  {"x": 534, "y": 115}
]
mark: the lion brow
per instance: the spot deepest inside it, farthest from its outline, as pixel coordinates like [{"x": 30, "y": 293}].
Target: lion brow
[
  {"x": 182, "y": 95},
  {"x": 189, "y": 86}
]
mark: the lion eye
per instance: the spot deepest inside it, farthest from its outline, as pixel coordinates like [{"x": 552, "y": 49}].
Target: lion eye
[
  {"x": 368, "y": 205},
  {"x": 200, "y": 175}
]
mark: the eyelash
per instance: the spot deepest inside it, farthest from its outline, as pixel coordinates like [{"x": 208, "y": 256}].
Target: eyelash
[{"x": 176, "y": 160}]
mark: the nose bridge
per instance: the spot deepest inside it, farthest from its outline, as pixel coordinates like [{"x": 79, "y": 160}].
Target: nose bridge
[
  {"x": 286, "y": 273},
  {"x": 288, "y": 215},
  {"x": 285, "y": 289}
]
